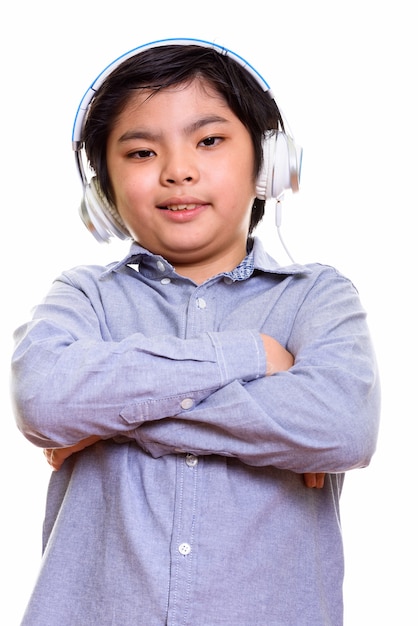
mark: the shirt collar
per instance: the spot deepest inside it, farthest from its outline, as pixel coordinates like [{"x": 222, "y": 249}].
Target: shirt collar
[
  {"x": 256, "y": 259},
  {"x": 266, "y": 263}
]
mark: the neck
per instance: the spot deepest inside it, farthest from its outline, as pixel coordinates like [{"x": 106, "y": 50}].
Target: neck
[{"x": 203, "y": 271}]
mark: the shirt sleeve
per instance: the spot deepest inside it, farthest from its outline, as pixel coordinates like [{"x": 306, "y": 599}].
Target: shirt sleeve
[
  {"x": 321, "y": 415},
  {"x": 70, "y": 380}
]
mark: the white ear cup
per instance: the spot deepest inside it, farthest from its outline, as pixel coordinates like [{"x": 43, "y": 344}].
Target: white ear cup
[
  {"x": 99, "y": 215},
  {"x": 281, "y": 166}
]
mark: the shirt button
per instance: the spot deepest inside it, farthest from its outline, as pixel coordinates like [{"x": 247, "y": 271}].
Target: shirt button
[
  {"x": 187, "y": 403},
  {"x": 184, "y": 549},
  {"x": 165, "y": 281},
  {"x": 191, "y": 460},
  {"x": 201, "y": 303},
  {"x": 160, "y": 266},
  {"x": 228, "y": 280}
]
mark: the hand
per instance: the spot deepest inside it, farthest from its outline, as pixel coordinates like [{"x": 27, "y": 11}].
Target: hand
[
  {"x": 57, "y": 456},
  {"x": 314, "y": 480},
  {"x": 278, "y": 358}
]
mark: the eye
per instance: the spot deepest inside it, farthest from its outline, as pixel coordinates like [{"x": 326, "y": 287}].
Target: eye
[
  {"x": 210, "y": 141},
  {"x": 141, "y": 154}
]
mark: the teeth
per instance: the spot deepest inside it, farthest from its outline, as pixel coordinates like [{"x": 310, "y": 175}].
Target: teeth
[{"x": 181, "y": 207}]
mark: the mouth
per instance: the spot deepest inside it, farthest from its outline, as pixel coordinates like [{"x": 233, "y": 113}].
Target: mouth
[{"x": 179, "y": 207}]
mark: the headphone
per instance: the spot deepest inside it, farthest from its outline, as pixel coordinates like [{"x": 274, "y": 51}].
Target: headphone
[{"x": 281, "y": 156}]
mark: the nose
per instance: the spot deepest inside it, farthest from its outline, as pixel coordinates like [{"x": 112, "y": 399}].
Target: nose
[{"x": 179, "y": 168}]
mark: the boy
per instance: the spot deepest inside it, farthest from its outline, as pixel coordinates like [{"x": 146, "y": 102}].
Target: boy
[{"x": 184, "y": 392}]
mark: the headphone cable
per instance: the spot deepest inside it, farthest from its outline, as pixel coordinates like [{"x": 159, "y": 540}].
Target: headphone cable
[{"x": 278, "y": 224}]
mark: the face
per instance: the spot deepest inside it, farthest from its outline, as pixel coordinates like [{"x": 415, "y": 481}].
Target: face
[{"x": 181, "y": 167}]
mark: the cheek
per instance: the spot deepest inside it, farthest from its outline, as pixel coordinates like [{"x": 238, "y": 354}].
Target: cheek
[
  {"x": 130, "y": 193},
  {"x": 236, "y": 174},
  {"x": 246, "y": 168},
  {"x": 244, "y": 179}
]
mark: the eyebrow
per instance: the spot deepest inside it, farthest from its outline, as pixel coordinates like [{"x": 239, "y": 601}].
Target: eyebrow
[{"x": 188, "y": 130}]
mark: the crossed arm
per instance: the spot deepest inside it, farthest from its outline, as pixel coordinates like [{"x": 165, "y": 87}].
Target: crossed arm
[{"x": 278, "y": 359}]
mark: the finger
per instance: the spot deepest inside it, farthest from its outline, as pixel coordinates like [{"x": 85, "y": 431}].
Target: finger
[
  {"x": 320, "y": 480},
  {"x": 50, "y": 456},
  {"x": 309, "y": 479},
  {"x": 314, "y": 480}
]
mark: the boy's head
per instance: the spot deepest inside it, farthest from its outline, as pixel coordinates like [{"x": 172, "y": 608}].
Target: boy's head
[{"x": 167, "y": 65}]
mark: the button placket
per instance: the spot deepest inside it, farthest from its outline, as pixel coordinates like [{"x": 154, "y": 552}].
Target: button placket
[
  {"x": 183, "y": 546},
  {"x": 200, "y": 315}
]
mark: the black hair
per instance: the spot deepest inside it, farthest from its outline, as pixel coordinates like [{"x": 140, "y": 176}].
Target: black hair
[{"x": 168, "y": 65}]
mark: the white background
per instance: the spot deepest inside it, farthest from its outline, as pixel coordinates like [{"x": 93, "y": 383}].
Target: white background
[{"x": 345, "y": 74}]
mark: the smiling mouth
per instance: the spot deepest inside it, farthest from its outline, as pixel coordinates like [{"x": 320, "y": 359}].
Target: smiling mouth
[{"x": 179, "y": 207}]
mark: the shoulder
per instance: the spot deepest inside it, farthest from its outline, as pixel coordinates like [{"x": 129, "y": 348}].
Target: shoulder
[
  {"x": 326, "y": 271},
  {"x": 93, "y": 274},
  {"x": 312, "y": 276},
  {"x": 97, "y": 283},
  {"x": 319, "y": 285}
]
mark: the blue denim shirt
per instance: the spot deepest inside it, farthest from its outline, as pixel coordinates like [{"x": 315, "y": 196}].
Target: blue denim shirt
[{"x": 192, "y": 510}]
